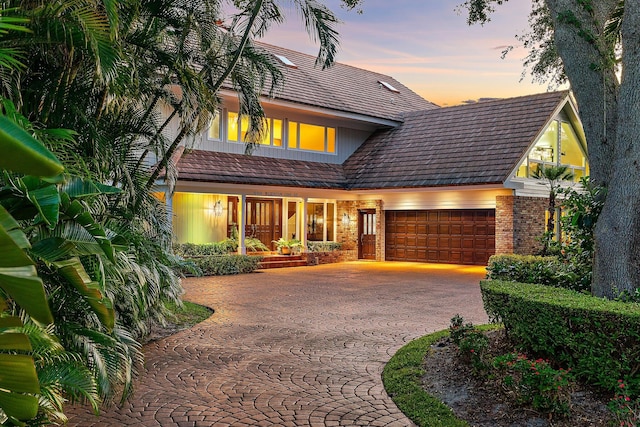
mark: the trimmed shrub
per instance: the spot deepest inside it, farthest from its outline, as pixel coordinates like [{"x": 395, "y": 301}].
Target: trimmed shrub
[
  {"x": 548, "y": 270},
  {"x": 597, "y": 338},
  {"x": 187, "y": 250},
  {"x": 323, "y": 246},
  {"x": 224, "y": 265}
]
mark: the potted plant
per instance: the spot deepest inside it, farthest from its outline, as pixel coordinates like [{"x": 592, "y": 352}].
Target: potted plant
[{"x": 287, "y": 246}]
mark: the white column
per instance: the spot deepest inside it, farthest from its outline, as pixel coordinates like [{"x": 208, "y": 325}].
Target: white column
[
  {"x": 303, "y": 223},
  {"x": 242, "y": 222}
]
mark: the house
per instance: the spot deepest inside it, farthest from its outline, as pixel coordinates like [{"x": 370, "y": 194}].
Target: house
[{"x": 356, "y": 157}]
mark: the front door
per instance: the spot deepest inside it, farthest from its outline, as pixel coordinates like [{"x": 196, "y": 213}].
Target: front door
[
  {"x": 367, "y": 233},
  {"x": 264, "y": 220}
]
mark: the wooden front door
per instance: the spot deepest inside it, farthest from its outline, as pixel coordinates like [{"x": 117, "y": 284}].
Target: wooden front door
[
  {"x": 264, "y": 217},
  {"x": 367, "y": 233}
]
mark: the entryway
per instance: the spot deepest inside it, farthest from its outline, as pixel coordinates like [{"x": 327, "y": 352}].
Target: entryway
[{"x": 367, "y": 233}]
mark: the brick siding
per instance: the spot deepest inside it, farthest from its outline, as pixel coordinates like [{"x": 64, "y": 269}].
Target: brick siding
[
  {"x": 519, "y": 224},
  {"x": 348, "y": 236}
]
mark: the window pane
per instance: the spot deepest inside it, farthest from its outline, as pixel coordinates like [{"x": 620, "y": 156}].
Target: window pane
[
  {"x": 546, "y": 148},
  {"x": 311, "y": 137},
  {"x": 315, "y": 221},
  {"x": 330, "y": 221},
  {"x": 277, "y": 132},
  {"x": 232, "y": 126},
  {"x": 331, "y": 140},
  {"x": 293, "y": 135},
  {"x": 266, "y": 137},
  {"x": 214, "y": 129},
  {"x": 244, "y": 128},
  {"x": 571, "y": 152}
]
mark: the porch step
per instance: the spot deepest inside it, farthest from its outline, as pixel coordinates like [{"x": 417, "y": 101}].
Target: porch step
[{"x": 280, "y": 261}]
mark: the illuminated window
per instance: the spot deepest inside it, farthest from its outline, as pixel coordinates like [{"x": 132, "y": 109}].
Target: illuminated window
[
  {"x": 237, "y": 130},
  {"x": 308, "y": 137},
  {"x": 558, "y": 145},
  {"x": 320, "y": 222},
  {"x": 214, "y": 128}
]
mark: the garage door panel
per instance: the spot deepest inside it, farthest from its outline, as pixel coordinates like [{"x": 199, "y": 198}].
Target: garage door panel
[{"x": 451, "y": 236}]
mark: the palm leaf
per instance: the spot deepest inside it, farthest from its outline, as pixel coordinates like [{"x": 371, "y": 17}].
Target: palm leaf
[
  {"x": 73, "y": 270},
  {"x": 18, "y": 275},
  {"x": 22, "y": 153}
]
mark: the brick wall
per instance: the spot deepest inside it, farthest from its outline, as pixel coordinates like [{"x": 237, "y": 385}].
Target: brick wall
[
  {"x": 519, "y": 224},
  {"x": 348, "y": 236}
]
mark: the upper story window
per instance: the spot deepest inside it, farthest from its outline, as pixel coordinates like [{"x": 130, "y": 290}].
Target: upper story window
[
  {"x": 215, "y": 130},
  {"x": 237, "y": 128},
  {"x": 557, "y": 146},
  {"x": 307, "y": 137},
  {"x": 278, "y": 133}
]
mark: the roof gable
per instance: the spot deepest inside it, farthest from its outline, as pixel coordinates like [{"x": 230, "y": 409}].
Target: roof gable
[{"x": 463, "y": 145}]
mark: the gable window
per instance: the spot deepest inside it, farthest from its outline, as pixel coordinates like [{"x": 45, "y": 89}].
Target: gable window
[{"x": 557, "y": 146}]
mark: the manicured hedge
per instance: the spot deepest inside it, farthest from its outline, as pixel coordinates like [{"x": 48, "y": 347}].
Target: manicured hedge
[
  {"x": 224, "y": 265},
  {"x": 597, "y": 338},
  {"x": 549, "y": 270},
  {"x": 187, "y": 250}
]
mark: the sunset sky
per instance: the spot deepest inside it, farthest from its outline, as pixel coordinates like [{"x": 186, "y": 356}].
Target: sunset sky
[{"x": 428, "y": 46}]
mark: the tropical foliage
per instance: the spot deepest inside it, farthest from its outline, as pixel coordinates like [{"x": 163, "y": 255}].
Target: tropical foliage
[
  {"x": 592, "y": 44},
  {"x": 87, "y": 262}
]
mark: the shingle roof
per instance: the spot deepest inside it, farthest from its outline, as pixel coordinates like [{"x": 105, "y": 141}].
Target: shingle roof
[
  {"x": 463, "y": 145},
  {"x": 208, "y": 166},
  {"x": 344, "y": 88}
]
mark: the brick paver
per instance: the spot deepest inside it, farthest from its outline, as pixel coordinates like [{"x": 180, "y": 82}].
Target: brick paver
[{"x": 294, "y": 347}]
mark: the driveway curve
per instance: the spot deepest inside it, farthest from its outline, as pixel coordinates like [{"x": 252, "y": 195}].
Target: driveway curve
[{"x": 294, "y": 346}]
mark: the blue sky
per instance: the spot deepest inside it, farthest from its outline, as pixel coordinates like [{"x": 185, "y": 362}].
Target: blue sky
[{"x": 428, "y": 46}]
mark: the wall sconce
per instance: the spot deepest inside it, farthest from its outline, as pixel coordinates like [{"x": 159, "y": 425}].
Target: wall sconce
[
  {"x": 217, "y": 209},
  {"x": 345, "y": 220}
]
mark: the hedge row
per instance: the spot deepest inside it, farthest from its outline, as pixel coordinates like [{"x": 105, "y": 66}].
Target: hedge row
[
  {"x": 597, "y": 338},
  {"x": 549, "y": 270},
  {"x": 187, "y": 250},
  {"x": 223, "y": 265}
]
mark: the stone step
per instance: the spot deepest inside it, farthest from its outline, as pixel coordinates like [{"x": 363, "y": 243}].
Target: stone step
[{"x": 280, "y": 261}]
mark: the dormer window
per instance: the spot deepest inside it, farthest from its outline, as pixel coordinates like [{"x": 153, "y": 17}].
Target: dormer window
[
  {"x": 286, "y": 61},
  {"x": 388, "y": 86}
]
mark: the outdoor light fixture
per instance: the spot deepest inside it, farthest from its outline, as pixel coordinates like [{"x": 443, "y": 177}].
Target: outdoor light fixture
[
  {"x": 345, "y": 220},
  {"x": 217, "y": 209}
]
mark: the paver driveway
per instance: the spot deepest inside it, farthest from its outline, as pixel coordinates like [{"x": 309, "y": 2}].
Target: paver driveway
[{"x": 295, "y": 346}]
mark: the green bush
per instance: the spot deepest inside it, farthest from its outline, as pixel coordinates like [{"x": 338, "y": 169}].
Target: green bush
[
  {"x": 597, "y": 338},
  {"x": 323, "y": 246},
  {"x": 548, "y": 270},
  {"x": 187, "y": 250},
  {"x": 535, "y": 382},
  {"x": 224, "y": 265}
]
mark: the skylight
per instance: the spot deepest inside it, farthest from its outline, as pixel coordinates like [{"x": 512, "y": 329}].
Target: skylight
[
  {"x": 286, "y": 61},
  {"x": 388, "y": 86}
]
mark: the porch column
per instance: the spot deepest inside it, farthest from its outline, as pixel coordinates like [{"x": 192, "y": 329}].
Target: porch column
[
  {"x": 303, "y": 223},
  {"x": 242, "y": 222}
]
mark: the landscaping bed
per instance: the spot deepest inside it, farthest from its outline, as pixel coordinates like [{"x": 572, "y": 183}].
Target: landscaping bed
[{"x": 484, "y": 401}]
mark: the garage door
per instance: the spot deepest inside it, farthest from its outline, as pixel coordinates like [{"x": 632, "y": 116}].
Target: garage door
[{"x": 449, "y": 236}]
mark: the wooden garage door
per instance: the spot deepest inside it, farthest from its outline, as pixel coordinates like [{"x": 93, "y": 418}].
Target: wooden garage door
[{"x": 448, "y": 236}]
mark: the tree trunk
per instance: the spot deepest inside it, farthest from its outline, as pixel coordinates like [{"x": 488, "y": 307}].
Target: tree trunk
[
  {"x": 617, "y": 236},
  {"x": 591, "y": 74}
]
